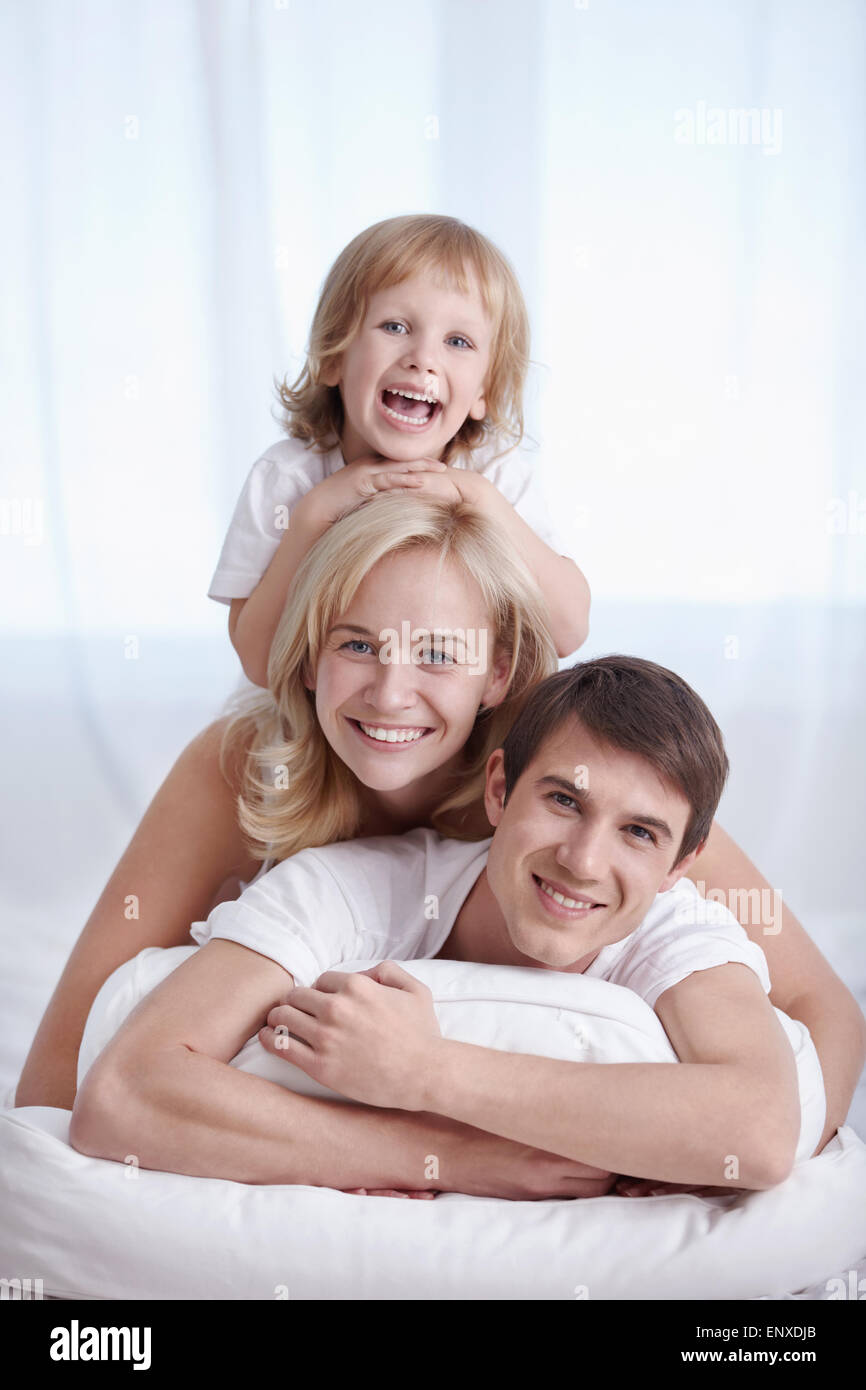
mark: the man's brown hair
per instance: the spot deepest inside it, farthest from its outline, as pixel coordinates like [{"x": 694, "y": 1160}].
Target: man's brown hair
[{"x": 638, "y": 706}]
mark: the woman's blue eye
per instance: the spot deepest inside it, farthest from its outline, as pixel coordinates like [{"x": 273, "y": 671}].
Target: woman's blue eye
[
  {"x": 357, "y": 642},
  {"x": 436, "y": 656}
]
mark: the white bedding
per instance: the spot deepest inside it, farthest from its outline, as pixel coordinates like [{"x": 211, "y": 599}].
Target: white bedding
[{"x": 96, "y": 1229}]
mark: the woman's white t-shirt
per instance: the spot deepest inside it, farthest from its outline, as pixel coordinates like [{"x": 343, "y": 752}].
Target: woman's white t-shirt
[
  {"x": 397, "y": 897},
  {"x": 285, "y": 472}
]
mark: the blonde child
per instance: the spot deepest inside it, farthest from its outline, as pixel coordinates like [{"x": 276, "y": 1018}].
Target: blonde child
[{"x": 414, "y": 379}]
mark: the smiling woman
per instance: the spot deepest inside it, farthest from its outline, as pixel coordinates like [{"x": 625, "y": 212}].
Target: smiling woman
[{"x": 363, "y": 734}]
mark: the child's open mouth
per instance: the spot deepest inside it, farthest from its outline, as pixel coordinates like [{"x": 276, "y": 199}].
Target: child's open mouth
[{"x": 406, "y": 409}]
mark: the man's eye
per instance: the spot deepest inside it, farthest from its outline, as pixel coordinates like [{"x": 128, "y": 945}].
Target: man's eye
[
  {"x": 355, "y": 643},
  {"x": 394, "y": 323},
  {"x": 642, "y": 831},
  {"x": 560, "y": 797}
]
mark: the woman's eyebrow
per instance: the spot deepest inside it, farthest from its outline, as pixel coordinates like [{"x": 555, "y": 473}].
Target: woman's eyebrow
[{"x": 350, "y": 627}]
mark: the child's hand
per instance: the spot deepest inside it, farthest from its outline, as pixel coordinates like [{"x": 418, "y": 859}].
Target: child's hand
[{"x": 334, "y": 496}]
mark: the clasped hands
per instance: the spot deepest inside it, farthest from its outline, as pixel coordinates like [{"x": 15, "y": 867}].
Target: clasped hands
[
  {"x": 373, "y": 1036},
  {"x": 369, "y": 1035}
]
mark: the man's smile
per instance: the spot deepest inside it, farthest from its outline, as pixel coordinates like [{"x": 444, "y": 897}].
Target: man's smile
[{"x": 561, "y": 904}]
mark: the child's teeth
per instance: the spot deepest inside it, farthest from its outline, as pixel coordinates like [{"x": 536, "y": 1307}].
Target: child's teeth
[
  {"x": 410, "y": 419},
  {"x": 391, "y": 735}
]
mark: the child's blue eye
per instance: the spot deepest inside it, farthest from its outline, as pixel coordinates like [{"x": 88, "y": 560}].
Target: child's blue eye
[
  {"x": 458, "y": 338},
  {"x": 393, "y": 323}
]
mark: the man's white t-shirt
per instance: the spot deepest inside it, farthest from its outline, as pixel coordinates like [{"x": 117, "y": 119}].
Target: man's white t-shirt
[
  {"x": 285, "y": 472},
  {"x": 397, "y": 897}
]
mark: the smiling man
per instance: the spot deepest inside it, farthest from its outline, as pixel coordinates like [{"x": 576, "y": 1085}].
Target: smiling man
[{"x": 600, "y": 799}]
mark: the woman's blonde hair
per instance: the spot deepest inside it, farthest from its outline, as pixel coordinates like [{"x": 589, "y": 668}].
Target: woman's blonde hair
[
  {"x": 297, "y": 792},
  {"x": 385, "y": 255}
]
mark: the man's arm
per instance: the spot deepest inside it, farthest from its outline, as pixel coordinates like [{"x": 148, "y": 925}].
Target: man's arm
[
  {"x": 164, "y": 1091},
  {"x": 804, "y": 984},
  {"x": 729, "y": 1112}
]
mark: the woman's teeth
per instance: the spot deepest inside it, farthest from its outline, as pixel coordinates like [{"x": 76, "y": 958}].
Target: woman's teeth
[
  {"x": 559, "y": 898},
  {"x": 392, "y": 735}
]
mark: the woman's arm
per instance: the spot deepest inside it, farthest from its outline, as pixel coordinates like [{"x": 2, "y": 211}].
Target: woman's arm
[
  {"x": 186, "y": 845},
  {"x": 804, "y": 985}
]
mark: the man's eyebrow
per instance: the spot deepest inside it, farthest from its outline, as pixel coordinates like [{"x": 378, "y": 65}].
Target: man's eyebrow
[{"x": 582, "y": 794}]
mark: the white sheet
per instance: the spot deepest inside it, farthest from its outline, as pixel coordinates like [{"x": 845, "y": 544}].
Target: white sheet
[{"x": 97, "y": 1229}]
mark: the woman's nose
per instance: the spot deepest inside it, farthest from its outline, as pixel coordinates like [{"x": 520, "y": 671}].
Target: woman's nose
[{"x": 392, "y": 686}]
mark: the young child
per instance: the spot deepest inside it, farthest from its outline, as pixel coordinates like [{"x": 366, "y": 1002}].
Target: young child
[{"x": 414, "y": 380}]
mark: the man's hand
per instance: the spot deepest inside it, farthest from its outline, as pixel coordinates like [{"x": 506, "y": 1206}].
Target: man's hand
[{"x": 371, "y": 1036}]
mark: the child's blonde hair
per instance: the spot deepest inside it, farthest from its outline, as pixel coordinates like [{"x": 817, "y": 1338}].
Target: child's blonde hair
[
  {"x": 297, "y": 792},
  {"x": 385, "y": 255}
]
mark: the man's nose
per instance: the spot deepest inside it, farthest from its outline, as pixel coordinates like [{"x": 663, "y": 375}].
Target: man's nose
[{"x": 584, "y": 853}]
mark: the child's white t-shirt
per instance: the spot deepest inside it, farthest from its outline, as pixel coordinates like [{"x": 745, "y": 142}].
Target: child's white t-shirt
[
  {"x": 396, "y": 897},
  {"x": 285, "y": 472}
]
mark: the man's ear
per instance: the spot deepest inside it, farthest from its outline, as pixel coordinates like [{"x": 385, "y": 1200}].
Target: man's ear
[
  {"x": 494, "y": 787},
  {"x": 681, "y": 869},
  {"x": 496, "y": 685}
]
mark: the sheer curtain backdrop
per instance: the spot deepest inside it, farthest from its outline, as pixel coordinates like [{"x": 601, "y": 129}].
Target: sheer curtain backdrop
[{"x": 680, "y": 186}]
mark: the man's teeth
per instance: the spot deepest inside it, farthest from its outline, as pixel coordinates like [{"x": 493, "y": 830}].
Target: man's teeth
[
  {"x": 392, "y": 735},
  {"x": 559, "y": 898}
]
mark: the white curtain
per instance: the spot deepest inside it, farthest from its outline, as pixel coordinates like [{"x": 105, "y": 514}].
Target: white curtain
[{"x": 680, "y": 186}]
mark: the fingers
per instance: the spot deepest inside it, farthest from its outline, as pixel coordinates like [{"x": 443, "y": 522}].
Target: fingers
[
  {"x": 647, "y": 1187},
  {"x": 387, "y": 972},
  {"x": 387, "y": 1192}
]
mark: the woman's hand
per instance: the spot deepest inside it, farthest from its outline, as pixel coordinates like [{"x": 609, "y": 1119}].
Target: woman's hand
[
  {"x": 386, "y": 1192},
  {"x": 648, "y": 1187}
]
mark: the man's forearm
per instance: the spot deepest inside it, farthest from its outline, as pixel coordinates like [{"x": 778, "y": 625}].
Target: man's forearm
[
  {"x": 188, "y": 1113},
  {"x": 681, "y": 1123}
]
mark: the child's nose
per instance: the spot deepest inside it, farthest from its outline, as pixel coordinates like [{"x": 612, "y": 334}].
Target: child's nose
[{"x": 422, "y": 355}]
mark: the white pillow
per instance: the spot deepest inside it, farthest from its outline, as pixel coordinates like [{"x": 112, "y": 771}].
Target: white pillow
[
  {"x": 516, "y": 1009},
  {"x": 92, "y": 1228}
]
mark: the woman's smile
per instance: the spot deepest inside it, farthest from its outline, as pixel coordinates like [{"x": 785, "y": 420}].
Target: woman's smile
[{"x": 389, "y": 738}]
